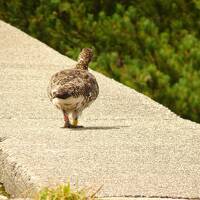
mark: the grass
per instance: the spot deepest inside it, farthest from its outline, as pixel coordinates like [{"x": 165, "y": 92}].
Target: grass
[
  {"x": 61, "y": 192},
  {"x": 2, "y": 191},
  {"x": 65, "y": 192}
]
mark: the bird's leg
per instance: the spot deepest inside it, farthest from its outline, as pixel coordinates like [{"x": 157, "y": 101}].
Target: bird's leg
[
  {"x": 75, "y": 120},
  {"x": 66, "y": 119}
]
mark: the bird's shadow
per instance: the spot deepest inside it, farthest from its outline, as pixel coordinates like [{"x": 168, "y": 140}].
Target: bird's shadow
[{"x": 97, "y": 128}]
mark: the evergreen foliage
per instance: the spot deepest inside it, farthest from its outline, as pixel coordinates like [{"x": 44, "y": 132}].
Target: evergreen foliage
[{"x": 151, "y": 45}]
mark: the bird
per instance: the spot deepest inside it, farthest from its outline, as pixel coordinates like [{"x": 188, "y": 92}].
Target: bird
[{"x": 72, "y": 90}]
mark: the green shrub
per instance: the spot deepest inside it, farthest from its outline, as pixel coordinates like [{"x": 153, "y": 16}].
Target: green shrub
[
  {"x": 64, "y": 192},
  {"x": 3, "y": 191},
  {"x": 152, "y": 46}
]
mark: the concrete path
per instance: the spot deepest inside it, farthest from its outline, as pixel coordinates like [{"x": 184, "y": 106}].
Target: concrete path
[
  {"x": 109, "y": 198},
  {"x": 131, "y": 145}
]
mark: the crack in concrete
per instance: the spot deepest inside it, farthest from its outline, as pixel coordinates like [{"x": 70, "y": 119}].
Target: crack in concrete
[{"x": 157, "y": 197}]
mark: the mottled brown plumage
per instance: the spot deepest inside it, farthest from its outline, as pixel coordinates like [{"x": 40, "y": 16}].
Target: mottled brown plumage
[{"x": 72, "y": 90}]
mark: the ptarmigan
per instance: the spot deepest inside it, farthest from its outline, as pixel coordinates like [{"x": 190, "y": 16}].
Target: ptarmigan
[{"x": 72, "y": 90}]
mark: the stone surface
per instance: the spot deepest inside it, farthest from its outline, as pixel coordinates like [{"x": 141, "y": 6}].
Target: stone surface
[
  {"x": 131, "y": 145},
  {"x": 20, "y": 199},
  {"x": 138, "y": 198},
  {"x": 110, "y": 198},
  {"x": 3, "y": 197}
]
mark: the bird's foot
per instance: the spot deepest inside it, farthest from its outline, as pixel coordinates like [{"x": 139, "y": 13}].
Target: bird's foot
[
  {"x": 75, "y": 124},
  {"x": 68, "y": 125},
  {"x": 78, "y": 126}
]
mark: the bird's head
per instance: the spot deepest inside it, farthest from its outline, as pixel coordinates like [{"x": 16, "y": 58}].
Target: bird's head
[{"x": 84, "y": 58}]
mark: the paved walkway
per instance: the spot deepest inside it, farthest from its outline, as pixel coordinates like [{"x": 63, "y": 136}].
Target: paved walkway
[{"x": 131, "y": 145}]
